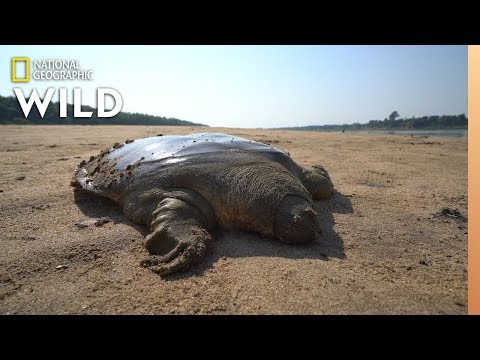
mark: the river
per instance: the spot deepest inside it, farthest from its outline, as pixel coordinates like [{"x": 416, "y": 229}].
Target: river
[{"x": 449, "y": 133}]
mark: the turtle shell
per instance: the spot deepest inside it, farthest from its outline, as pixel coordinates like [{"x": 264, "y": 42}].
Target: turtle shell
[{"x": 107, "y": 172}]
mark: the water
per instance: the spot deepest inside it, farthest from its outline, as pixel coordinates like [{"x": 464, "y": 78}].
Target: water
[{"x": 448, "y": 133}]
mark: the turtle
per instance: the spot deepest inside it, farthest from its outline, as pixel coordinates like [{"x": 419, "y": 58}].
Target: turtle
[{"x": 184, "y": 186}]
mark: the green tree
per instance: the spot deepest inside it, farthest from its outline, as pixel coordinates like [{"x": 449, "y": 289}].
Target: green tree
[{"x": 394, "y": 115}]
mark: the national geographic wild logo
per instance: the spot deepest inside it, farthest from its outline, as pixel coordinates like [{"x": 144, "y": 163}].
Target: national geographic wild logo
[{"x": 23, "y": 70}]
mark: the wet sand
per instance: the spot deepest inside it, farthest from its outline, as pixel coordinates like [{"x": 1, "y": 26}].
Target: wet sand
[{"x": 394, "y": 234}]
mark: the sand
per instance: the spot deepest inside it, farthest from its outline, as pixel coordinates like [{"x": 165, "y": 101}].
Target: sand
[{"x": 387, "y": 248}]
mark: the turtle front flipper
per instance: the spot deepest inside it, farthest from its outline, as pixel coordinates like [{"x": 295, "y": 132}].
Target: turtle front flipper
[
  {"x": 317, "y": 182},
  {"x": 179, "y": 236}
]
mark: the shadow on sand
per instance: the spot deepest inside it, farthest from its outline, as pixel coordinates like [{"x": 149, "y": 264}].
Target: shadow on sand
[
  {"x": 239, "y": 244},
  {"x": 95, "y": 206}
]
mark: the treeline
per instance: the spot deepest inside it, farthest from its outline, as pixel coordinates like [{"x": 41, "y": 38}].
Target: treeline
[
  {"x": 11, "y": 113},
  {"x": 434, "y": 122}
]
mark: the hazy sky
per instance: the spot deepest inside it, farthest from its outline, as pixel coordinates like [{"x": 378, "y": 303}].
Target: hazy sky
[{"x": 265, "y": 86}]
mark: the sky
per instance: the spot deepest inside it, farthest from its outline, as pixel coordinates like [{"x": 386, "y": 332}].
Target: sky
[{"x": 263, "y": 86}]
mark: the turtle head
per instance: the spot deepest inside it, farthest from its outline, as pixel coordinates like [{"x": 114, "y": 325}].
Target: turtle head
[{"x": 296, "y": 221}]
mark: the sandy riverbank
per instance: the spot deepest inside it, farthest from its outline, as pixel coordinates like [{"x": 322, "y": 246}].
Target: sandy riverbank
[{"x": 387, "y": 247}]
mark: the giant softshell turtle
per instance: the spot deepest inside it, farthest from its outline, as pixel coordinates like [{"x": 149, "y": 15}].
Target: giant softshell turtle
[{"x": 182, "y": 187}]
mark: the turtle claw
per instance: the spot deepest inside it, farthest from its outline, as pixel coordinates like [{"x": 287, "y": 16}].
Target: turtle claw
[{"x": 180, "y": 258}]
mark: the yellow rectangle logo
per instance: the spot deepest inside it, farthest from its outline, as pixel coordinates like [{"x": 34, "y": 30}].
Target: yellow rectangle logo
[{"x": 16, "y": 60}]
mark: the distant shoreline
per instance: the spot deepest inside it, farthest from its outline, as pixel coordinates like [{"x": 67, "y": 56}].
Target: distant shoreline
[
  {"x": 458, "y": 133},
  {"x": 431, "y": 122},
  {"x": 100, "y": 124},
  {"x": 369, "y": 129},
  {"x": 11, "y": 113}
]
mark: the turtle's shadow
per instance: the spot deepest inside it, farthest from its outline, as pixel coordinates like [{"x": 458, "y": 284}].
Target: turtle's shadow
[
  {"x": 239, "y": 244},
  {"x": 95, "y": 206}
]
